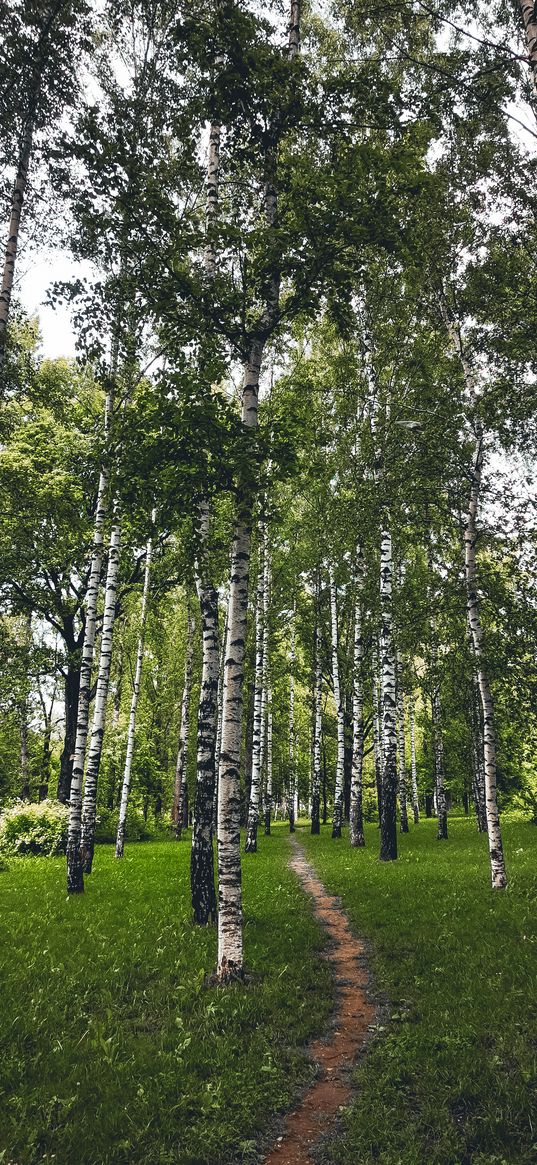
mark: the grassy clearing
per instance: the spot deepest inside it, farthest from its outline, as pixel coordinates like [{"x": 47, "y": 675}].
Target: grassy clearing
[
  {"x": 112, "y": 1049},
  {"x": 451, "y": 1080}
]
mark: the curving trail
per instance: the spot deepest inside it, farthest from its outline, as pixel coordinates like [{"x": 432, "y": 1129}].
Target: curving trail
[{"x": 336, "y": 1053}]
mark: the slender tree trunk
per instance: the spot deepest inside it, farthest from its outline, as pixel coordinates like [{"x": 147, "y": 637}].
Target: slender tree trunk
[
  {"x": 401, "y": 746},
  {"x": 180, "y": 793},
  {"x": 230, "y": 939},
  {"x": 202, "y": 856},
  {"x": 317, "y": 718},
  {"x": 356, "y": 812},
  {"x": 131, "y": 732},
  {"x": 255, "y": 787},
  {"x": 377, "y": 732},
  {"x": 89, "y": 806},
  {"x": 497, "y": 861},
  {"x": 265, "y": 683},
  {"x": 529, "y": 20},
  {"x": 292, "y": 758},
  {"x": 340, "y": 762},
  {"x": 88, "y": 648},
  {"x": 72, "y": 688},
  {"x": 10, "y": 254},
  {"x": 436, "y": 713},
  {"x": 219, "y": 720},
  {"x": 478, "y": 776},
  {"x": 268, "y": 793},
  {"x": 388, "y": 816},
  {"x": 413, "y": 765}
]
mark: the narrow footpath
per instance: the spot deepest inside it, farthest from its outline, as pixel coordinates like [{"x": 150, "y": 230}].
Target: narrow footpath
[{"x": 336, "y": 1052}]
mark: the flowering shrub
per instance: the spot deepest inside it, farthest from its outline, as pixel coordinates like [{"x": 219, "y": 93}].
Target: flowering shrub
[{"x": 28, "y": 828}]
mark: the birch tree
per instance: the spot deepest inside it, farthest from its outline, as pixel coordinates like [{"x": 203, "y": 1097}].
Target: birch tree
[
  {"x": 131, "y": 731},
  {"x": 180, "y": 783},
  {"x": 356, "y": 811},
  {"x": 89, "y": 805},
  {"x": 388, "y": 821},
  {"x": 338, "y": 699},
  {"x": 317, "y": 717},
  {"x": 413, "y": 761},
  {"x": 201, "y": 857}
]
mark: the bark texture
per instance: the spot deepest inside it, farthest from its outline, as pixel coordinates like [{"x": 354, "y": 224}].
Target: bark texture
[
  {"x": 413, "y": 764},
  {"x": 388, "y": 822},
  {"x": 356, "y": 818},
  {"x": 89, "y": 807},
  {"x": 201, "y": 855},
  {"x": 292, "y": 796},
  {"x": 180, "y": 791},
  {"x": 317, "y": 720},
  {"x": 10, "y": 255},
  {"x": 340, "y": 712},
  {"x": 131, "y": 732},
  {"x": 401, "y": 747},
  {"x": 257, "y": 747}
]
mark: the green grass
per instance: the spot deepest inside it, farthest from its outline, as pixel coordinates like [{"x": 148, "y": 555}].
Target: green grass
[
  {"x": 451, "y": 1078},
  {"x": 112, "y": 1048}
]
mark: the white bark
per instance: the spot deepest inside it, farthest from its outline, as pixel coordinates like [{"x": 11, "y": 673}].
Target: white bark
[
  {"x": 401, "y": 746},
  {"x": 178, "y": 807},
  {"x": 257, "y": 741},
  {"x": 293, "y": 791},
  {"x": 74, "y": 875},
  {"x": 131, "y": 732},
  {"x": 497, "y": 861},
  {"x": 89, "y": 807},
  {"x": 268, "y": 792},
  {"x": 340, "y": 762},
  {"x": 10, "y": 254},
  {"x": 356, "y": 812},
  {"x": 317, "y": 720},
  {"x": 413, "y": 764},
  {"x": 388, "y": 824}
]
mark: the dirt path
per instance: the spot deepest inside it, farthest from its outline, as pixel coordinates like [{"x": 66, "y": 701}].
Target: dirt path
[{"x": 336, "y": 1053}]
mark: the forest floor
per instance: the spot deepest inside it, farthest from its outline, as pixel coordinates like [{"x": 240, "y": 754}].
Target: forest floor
[{"x": 114, "y": 1050}]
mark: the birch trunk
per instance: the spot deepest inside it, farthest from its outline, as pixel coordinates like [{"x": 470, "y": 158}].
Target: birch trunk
[
  {"x": 388, "y": 816},
  {"x": 340, "y": 712},
  {"x": 497, "y": 861},
  {"x": 219, "y": 719},
  {"x": 292, "y": 761},
  {"x": 268, "y": 792},
  {"x": 436, "y": 713},
  {"x": 478, "y": 782},
  {"x": 356, "y": 812},
  {"x": 529, "y": 20},
  {"x": 89, "y": 807},
  {"x": 131, "y": 732},
  {"x": 202, "y": 856},
  {"x": 401, "y": 747},
  {"x": 10, "y": 255},
  {"x": 413, "y": 765},
  {"x": 255, "y": 786},
  {"x": 377, "y": 733},
  {"x": 317, "y": 721},
  {"x": 230, "y": 940},
  {"x": 88, "y": 647},
  {"x": 180, "y": 786}
]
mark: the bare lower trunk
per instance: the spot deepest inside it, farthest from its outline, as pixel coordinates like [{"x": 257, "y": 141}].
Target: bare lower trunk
[
  {"x": 317, "y": 720},
  {"x": 131, "y": 732},
  {"x": 268, "y": 790},
  {"x": 388, "y": 820},
  {"x": 292, "y": 759},
  {"x": 497, "y": 861},
  {"x": 356, "y": 818},
  {"x": 478, "y": 775},
  {"x": 89, "y": 807},
  {"x": 202, "y": 856},
  {"x": 72, "y": 687},
  {"x": 436, "y": 713},
  {"x": 10, "y": 254},
  {"x": 88, "y": 648},
  {"x": 257, "y": 748},
  {"x": 180, "y": 785},
  {"x": 401, "y": 746},
  {"x": 340, "y": 713},
  {"x": 413, "y": 765},
  {"x": 377, "y": 732}
]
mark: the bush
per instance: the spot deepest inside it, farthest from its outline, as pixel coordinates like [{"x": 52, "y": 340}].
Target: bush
[
  {"x": 136, "y": 830},
  {"x": 27, "y": 828}
]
